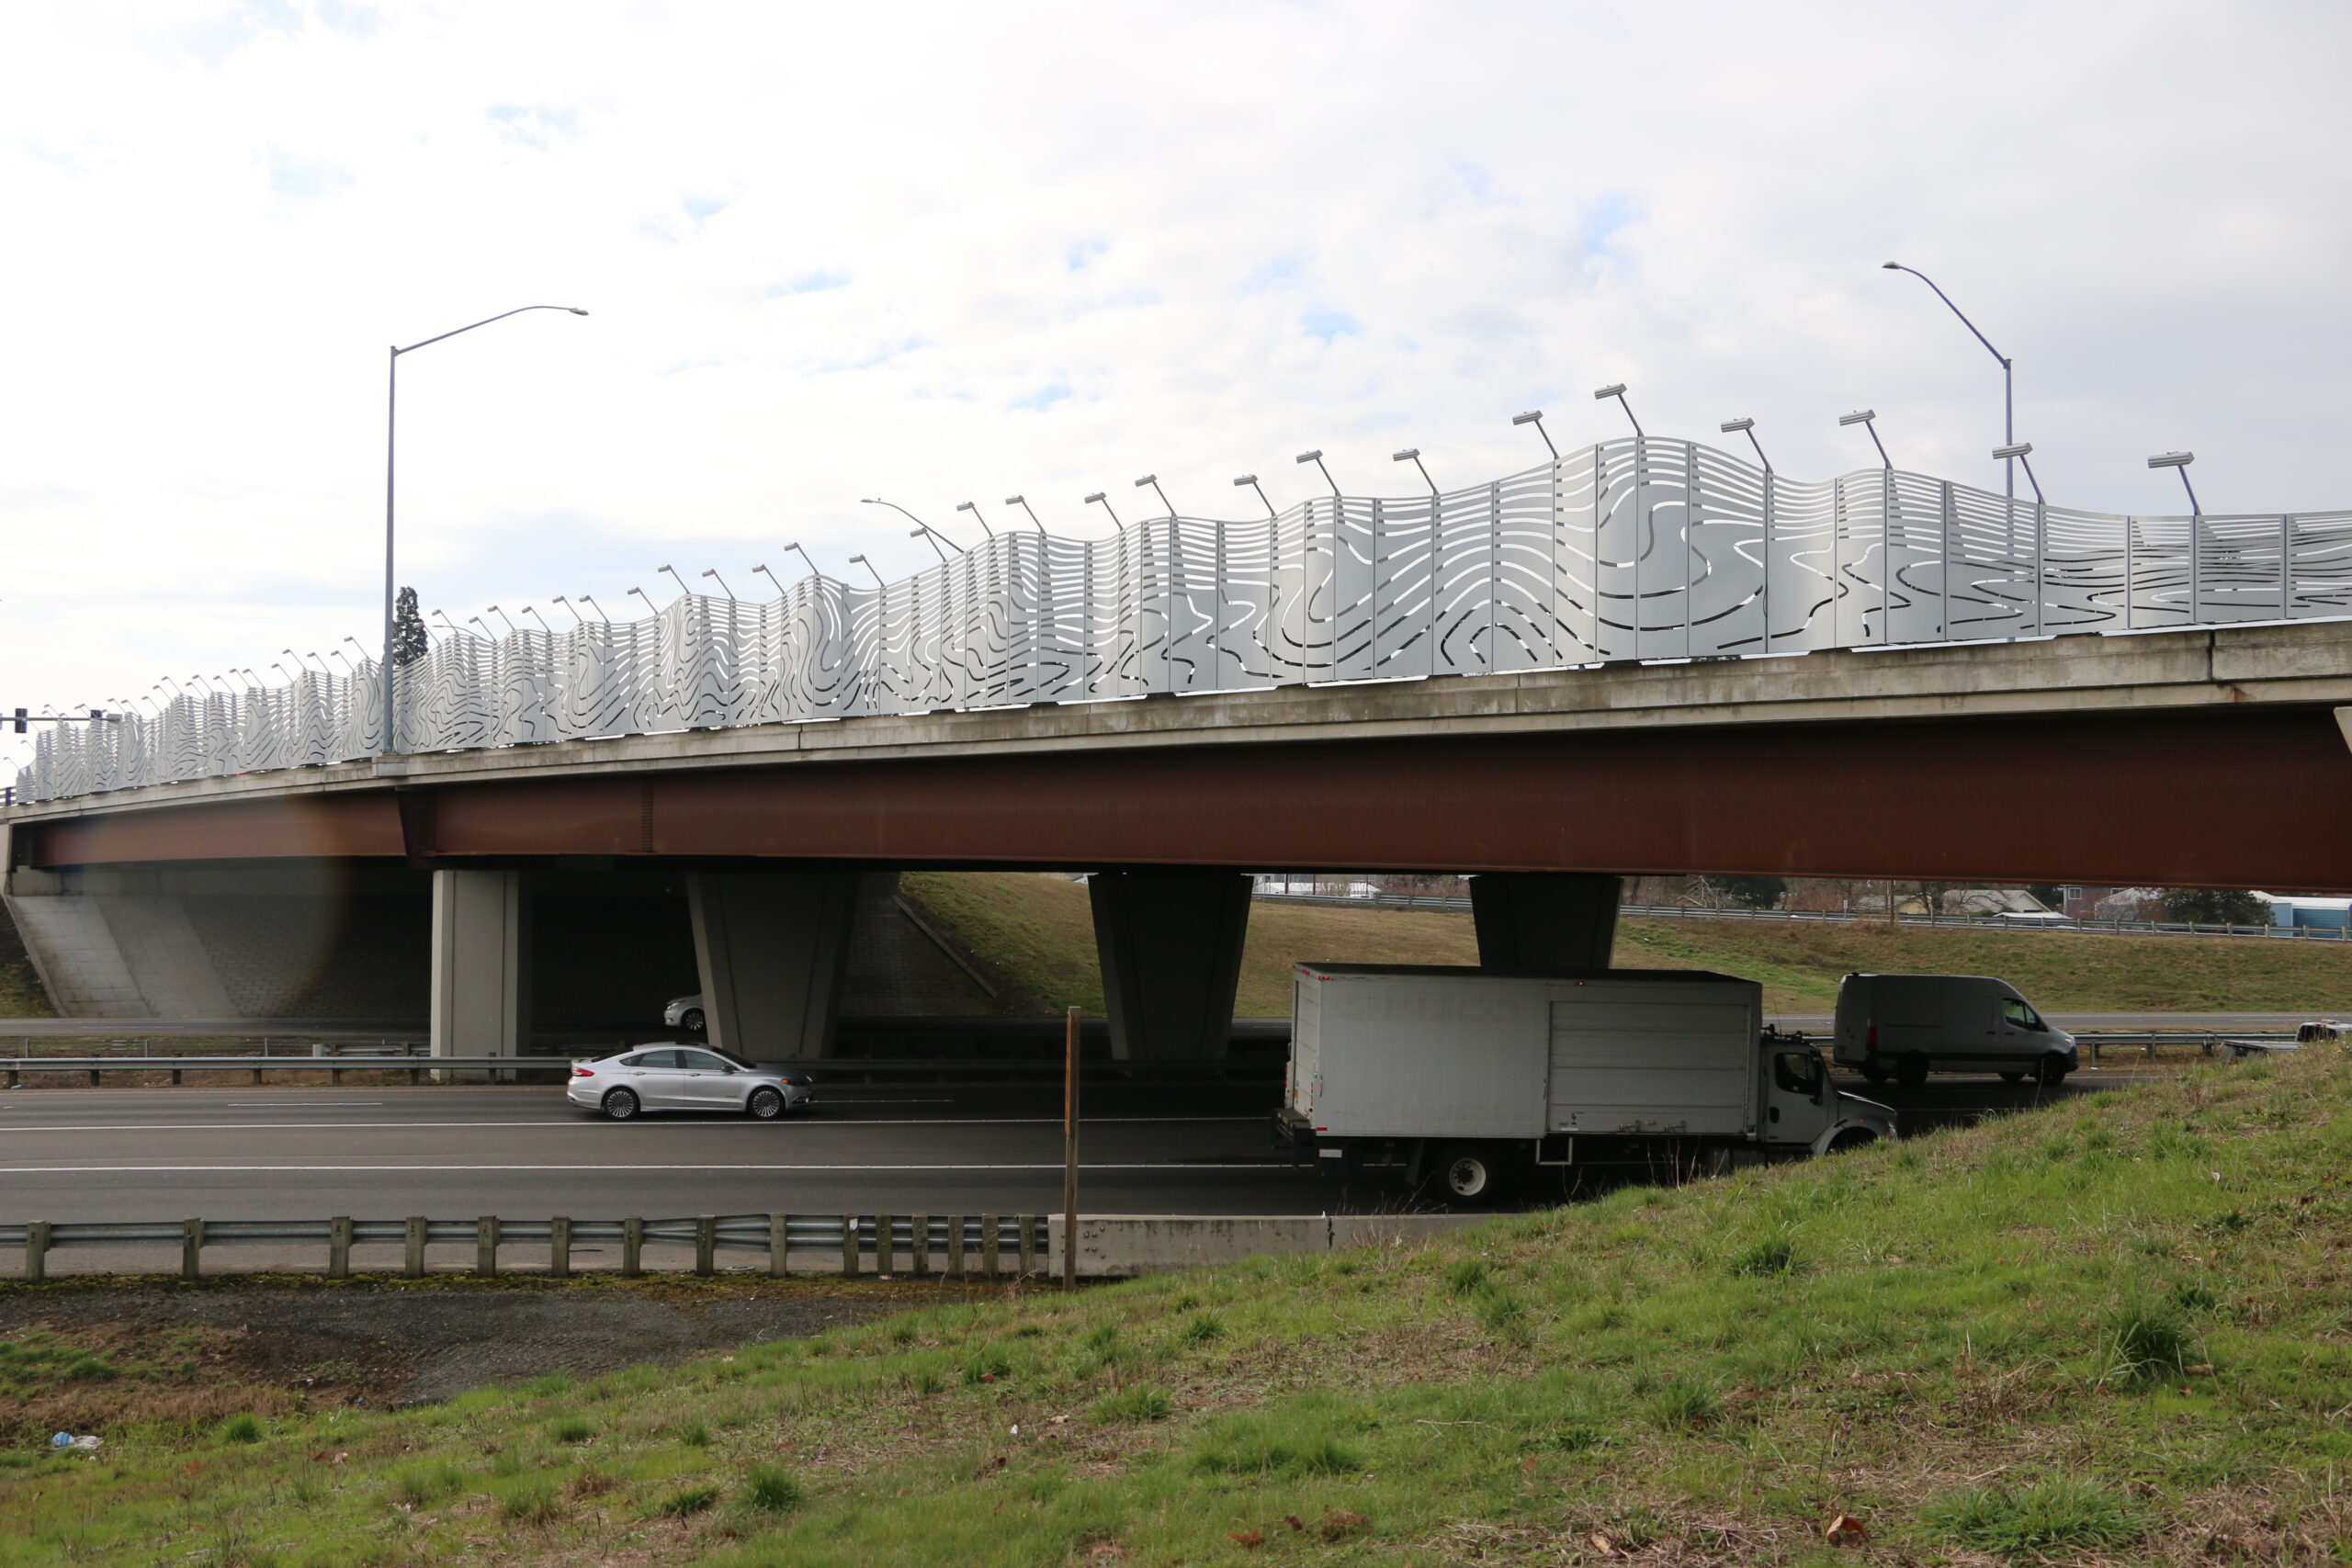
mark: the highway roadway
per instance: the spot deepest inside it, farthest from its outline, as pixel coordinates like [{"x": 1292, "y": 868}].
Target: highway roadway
[{"x": 524, "y": 1152}]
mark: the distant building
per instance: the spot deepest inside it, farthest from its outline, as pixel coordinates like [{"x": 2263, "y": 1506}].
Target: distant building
[{"x": 2330, "y": 914}]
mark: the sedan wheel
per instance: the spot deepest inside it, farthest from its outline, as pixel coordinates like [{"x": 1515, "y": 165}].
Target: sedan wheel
[
  {"x": 766, "y": 1104},
  {"x": 691, "y": 1020},
  {"x": 620, "y": 1104}
]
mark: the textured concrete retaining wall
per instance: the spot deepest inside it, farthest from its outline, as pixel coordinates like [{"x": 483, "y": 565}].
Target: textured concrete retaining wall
[{"x": 1118, "y": 1246}]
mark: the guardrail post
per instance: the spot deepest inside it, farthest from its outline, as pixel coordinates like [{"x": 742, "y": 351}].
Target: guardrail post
[
  {"x": 339, "y": 1247},
  {"x": 885, "y": 1244},
  {"x": 93, "y": 1077},
  {"x": 1028, "y": 1246},
  {"x": 413, "y": 1263},
  {"x": 632, "y": 1248},
  {"x": 955, "y": 1223},
  {"x": 559, "y": 1247},
  {"x": 779, "y": 1245},
  {"x": 849, "y": 1247},
  {"x": 991, "y": 1243},
  {"x": 918, "y": 1239},
  {"x": 36, "y": 1252},
  {"x": 334, "y": 1075},
  {"x": 486, "y": 1246},
  {"x": 191, "y": 1247},
  {"x": 706, "y": 1243}
]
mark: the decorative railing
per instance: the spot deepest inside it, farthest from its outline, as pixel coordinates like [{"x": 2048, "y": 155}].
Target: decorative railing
[{"x": 1630, "y": 550}]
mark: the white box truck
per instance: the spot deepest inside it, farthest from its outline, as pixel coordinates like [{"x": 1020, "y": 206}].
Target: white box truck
[
  {"x": 1476, "y": 1079},
  {"x": 1907, "y": 1026}
]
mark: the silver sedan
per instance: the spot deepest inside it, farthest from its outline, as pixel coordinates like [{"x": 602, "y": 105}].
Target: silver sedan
[{"x": 688, "y": 1078}]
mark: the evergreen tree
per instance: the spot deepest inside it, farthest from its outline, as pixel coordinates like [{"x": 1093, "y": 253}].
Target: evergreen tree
[{"x": 409, "y": 642}]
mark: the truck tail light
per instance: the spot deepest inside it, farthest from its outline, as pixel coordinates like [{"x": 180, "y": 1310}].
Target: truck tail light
[{"x": 1870, "y": 1041}]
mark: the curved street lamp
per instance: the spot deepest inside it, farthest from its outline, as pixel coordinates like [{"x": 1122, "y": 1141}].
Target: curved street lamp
[
  {"x": 2009, "y": 389},
  {"x": 392, "y": 431}
]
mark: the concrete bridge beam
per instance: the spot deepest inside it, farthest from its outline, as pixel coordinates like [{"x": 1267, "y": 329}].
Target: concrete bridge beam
[
  {"x": 1169, "y": 944},
  {"x": 772, "y": 948},
  {"x": 1545, "y": 923},
  {"x": 481, "y": 964}
]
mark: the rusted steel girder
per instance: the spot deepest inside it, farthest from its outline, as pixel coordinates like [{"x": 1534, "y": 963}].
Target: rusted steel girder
[{"x": 2217, "y": 797}]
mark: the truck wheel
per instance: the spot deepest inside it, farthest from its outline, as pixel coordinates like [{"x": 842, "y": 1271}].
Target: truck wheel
[
  {"x": 620, "y": 1104},
  {"x": 2013, "y": 1077},
  {"x": 1911, "y": 1070},
  {"x": 691, "y": 1020},
  {"x": 1873, "y": 1072},
  {"x": 2050, "y": 1071},
  {"x": 1852, "y": 1138},
  {"x": 1467, "y": 1176}
]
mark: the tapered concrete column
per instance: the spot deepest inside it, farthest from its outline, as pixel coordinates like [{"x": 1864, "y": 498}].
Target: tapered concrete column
[
  {"x": 481, "y": 964},
  {"x": 1170, "y": 949},
  {"x": 771, "y": 947},
  {"x": 1544, "y": 922}
]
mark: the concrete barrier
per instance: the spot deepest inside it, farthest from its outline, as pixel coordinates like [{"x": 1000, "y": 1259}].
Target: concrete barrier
[{"x": 1122, "y": 1245}]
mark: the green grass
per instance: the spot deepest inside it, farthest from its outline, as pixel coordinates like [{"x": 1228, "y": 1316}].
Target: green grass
[
  {"x": 2117, "y": 1330},
  {"x": 1034, "y": 936}
]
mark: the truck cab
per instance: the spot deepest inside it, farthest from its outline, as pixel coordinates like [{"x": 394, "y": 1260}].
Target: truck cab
[
  {"x": 1802, "y": 1108},
  {"x": 1905, "y": 1026}
]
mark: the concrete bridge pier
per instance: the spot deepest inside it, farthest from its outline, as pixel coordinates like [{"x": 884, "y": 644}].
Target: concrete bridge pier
[
  {"x": 1544, "y": 922},
  {"x": 481, "y": 964},
  {"x": 771, "y": 949},
  {"x": 1169, "y": 944}
]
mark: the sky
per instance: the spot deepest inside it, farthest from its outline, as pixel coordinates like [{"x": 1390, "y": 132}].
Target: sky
[{"x": 940, "y": 253}]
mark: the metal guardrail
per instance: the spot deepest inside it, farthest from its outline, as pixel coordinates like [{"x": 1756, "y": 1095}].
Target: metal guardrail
[
  {"x": 1851, "y": 916},
  {"x": 953, "y": 1246},
  {"x": 511, "y": 1069}
]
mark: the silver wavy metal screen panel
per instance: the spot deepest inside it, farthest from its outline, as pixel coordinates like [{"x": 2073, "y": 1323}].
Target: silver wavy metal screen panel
[{"x": 1630, "y": 550}]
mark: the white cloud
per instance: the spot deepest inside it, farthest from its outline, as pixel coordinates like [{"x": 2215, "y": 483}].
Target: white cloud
[{"x": 938, "y": 252}]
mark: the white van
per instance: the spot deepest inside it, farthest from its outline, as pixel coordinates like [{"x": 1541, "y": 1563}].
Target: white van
[{"x": 1907, "y": 1026}]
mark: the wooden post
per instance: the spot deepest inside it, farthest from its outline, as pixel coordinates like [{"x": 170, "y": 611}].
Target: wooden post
[
  {"x": 849, "y": 1247},
  {"x": 632, "y": 1248},
  {"x": 93, "y": 1077},
  {"x": 779, "y": 1245},
  {"x": 559, "y": 1247},
  {"x": 415, "y": 1265},
  {"x": 175, "y": 1077},
  {"x": 339, "y": 1247},
  {"x": 334, "y": 1075},
  {"x": 1070, "y": 1157},
  {"x": 191, "y": 1247},
  {"x": 992, "y": 1242},
  {"x": 919, "y": 1245},
  {"x": 955, "y": 1223},
  {"x": 1028, "y": 1246},
  {"x": 885, "y": 1244},
  {"x": 36, "y": 1252},
  {"x": 706, "y": 1243},
  {"x": 486, "y": 1246}
]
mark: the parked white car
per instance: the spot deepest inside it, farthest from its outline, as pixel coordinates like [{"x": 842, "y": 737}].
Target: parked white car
[
  {"x": 686, "y": 1077},
  {"x": 685, "y": 1012}
]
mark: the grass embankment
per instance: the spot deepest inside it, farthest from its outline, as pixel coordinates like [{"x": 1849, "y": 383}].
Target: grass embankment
[
  {"x": 2116, "y": 1331},
  {"x": 1036, "y": 933}
]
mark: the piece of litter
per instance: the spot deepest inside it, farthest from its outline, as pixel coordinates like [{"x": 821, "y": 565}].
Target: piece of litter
[{"x": 1847, "y": 1530}]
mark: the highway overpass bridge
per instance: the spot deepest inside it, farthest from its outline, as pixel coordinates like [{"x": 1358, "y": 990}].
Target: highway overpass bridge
[{"x": 1547, "y": 682}]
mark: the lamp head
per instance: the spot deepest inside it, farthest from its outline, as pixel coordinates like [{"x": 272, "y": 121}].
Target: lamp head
[
  {"x": 1860, "y": 416},
  {"x": 1313, "y": 457},
  {"x": 1733, "y": 426},
  {"x": 2022, "y": 448},
  {"x": 1147, "y": 479},
  {"x": 1095, "y": 497},
  {"x": 1614, "y": 390},
  {"x": 1246, "y": 480},
  {"x": 1406, "y": 455},
  {"x": 1533, "y": 416},
  {"x": 710, "y": 571},
  {"x": 1015, "y": 501},
  {"x": 860, "y": 560},
  {"x": 966, "y": 506},
  {"x": 2172, "y": 460},
  {"x": 1892, "y": 266},
  {"x": 575, "y": 309}
]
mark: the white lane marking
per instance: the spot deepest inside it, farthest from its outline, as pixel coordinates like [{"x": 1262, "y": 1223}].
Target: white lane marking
[
  {"x": 401, "y": 1169},
  {"x": 584, "y": 1121},
  {"x": 298, "y": 1105}
]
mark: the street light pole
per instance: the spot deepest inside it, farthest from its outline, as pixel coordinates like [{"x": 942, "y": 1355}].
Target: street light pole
[
  {"x": 2009, "y": 389},
  {"x": 392, "y": 433}
]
